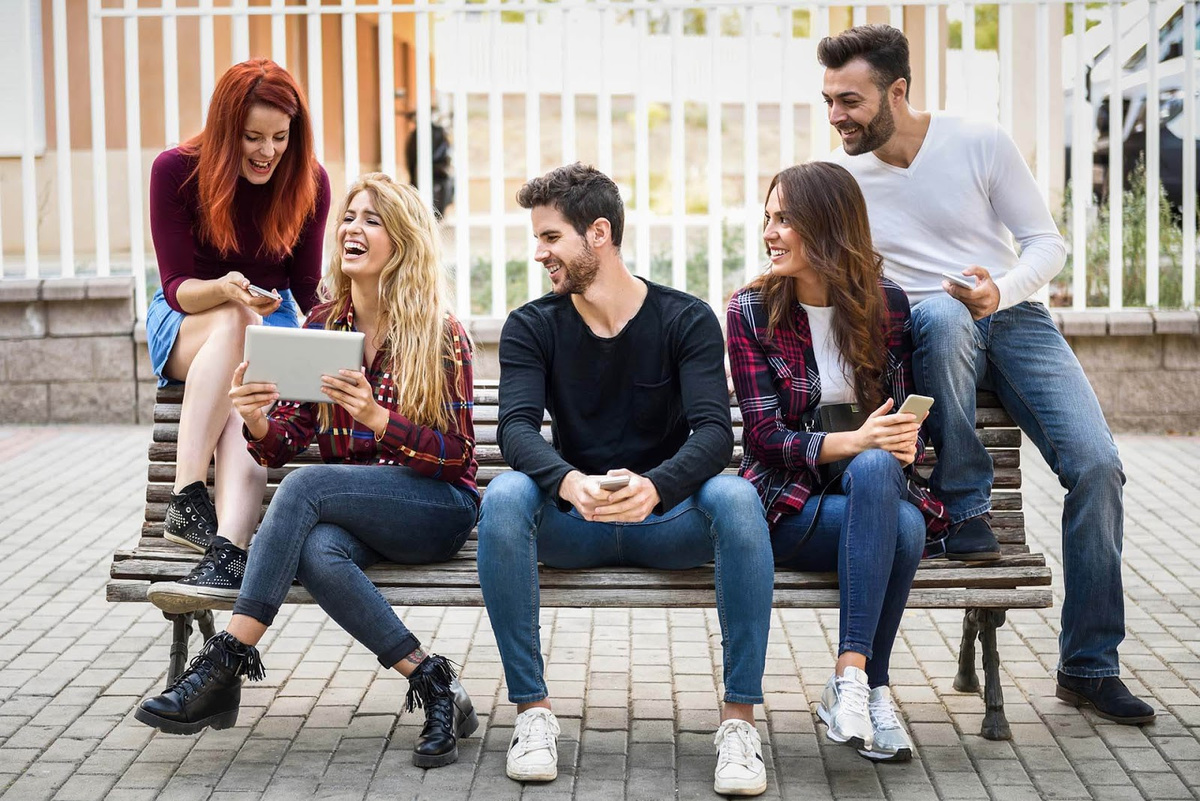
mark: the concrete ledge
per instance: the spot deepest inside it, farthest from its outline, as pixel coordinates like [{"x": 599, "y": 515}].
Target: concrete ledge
[
  {"x": 65, "y": 288},
  {"x": 1177, "y": 322},
  {"x": 24, "y": 290},
  {"x": 1131, "y": 322}
]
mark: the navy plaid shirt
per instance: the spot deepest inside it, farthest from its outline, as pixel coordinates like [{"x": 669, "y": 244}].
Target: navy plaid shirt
[{"x": 777, "y": 383}]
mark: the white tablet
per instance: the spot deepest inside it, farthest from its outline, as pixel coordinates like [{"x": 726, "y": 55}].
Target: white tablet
[{"x": 294, "y": 359}]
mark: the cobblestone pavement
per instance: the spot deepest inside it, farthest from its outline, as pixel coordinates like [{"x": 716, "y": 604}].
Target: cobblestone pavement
[{"x": 635, "y": 689}]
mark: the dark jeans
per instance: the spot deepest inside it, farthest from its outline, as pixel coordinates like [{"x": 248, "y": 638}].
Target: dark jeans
[
  {"x": 327, "y": 523},
  {"x": 873, "y": 537}
]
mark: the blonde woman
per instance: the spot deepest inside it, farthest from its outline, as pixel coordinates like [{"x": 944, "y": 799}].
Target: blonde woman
[{"x": 398, "y": 481}]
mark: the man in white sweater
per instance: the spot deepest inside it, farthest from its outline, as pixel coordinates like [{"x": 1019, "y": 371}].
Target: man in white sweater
[{"x": 948, "y": 196}]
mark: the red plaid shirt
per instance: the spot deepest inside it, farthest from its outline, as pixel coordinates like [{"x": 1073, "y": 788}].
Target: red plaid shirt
[
  {"x": 445, "y": 455},
  {"x": 777, "y": 383}
]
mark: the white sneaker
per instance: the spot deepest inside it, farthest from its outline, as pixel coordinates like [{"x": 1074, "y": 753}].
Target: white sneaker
[
  {"x": 843, "y": 709},
  {"x": 533, "y": 752},
  {"x": 740, "y": 766},
  {"x": 892, "y": 743}
]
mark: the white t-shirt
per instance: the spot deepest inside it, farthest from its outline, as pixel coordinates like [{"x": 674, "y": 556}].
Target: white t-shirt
[
  {"x": 957, "y": 203},
  {"x": 836, "y": 386}
]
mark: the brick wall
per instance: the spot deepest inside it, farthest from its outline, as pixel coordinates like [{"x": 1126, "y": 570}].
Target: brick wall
[{"x": 71, "y": 352}]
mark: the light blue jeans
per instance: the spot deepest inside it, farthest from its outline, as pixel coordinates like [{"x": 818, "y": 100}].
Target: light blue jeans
[
  {"x": 327, "y": 523},
  {"x": 1020, "y": 355},
  {"x": 873, "y": 537},
  {"x": 724, "y": 522}
]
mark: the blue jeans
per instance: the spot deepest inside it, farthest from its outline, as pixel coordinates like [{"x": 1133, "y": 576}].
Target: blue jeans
[
  {"x": 327, "y": 523},
  {"x": 1020, "y": 355},
  {"x": 873, "y": 537},
  {"x": 520, "y": 525}
]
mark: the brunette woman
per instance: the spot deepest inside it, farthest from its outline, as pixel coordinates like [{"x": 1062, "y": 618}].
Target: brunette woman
[
  {"x": 398, "y": 481},
  {"x": 822, "y": 326},
  {"x": 238, "y": 208}
]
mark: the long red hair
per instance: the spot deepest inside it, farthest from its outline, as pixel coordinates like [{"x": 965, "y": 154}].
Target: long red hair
[{"x": 218, "y": 153}]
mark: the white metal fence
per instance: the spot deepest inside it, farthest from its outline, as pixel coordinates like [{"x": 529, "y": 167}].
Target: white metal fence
[{"x": 690, "y": 105}]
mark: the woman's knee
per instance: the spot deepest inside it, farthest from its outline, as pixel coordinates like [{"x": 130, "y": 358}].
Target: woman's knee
[
  {"x": 322, "y": 549},
  {"x": 876, "y": 467}
]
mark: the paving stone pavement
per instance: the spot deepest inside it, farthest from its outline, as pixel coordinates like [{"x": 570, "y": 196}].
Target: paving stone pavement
[{"x": 636, "y": 690}]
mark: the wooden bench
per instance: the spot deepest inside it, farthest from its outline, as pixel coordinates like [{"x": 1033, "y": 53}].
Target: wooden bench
[{"x": 1019, "y": 580}]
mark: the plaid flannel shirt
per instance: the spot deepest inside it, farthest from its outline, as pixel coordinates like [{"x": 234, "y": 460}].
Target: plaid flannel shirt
[
  {"x": 776, "y": 382},
  {"x": 447, "y": 456}
]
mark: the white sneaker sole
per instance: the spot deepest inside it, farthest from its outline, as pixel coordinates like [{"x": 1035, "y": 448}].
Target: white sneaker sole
[
  {"x": 835, "y": 735},
  {"x": 177, "y": 600},
  {"x": 184, "y": 542},
  {"x": 740, "y": 787},
  {"x": 532, "y": 775}
]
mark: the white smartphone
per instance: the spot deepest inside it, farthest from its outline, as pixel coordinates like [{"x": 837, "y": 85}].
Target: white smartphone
[
  {"x": 916, "y": 405},
  {"x": 610, "y": 483},
  {"x": 961, "y": 280},
  {"x": 262, "y": 293}
]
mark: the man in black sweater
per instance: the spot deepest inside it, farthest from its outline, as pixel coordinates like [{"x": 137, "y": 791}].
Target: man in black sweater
[{"x": 632, "y": 374}]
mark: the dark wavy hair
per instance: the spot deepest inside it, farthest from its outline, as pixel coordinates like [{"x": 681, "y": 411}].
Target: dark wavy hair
[
  {"x": 881, "y": 46},
  {"x": 582, "y": 194},
  {"x": 825, "y": 207}
]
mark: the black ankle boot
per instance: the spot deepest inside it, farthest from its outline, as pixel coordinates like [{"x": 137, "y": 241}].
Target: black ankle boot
[
  {"x": 191, "y": 518},
  {"x": 208, "y": 693},
  {"x": 1109, "y": 696},
  {"x": 449, "y": 713}
]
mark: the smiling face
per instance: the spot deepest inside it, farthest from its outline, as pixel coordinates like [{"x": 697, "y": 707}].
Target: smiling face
[
  {"x": 566, "y": 255},
  {"x": 264, "y": 141},
  {"x": 366, "y": 246},
  {"x": 785, "y": 248},
  {"x": 860, "y": 111}
]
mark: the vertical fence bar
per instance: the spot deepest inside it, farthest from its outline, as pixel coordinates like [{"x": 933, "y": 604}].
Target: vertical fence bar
[
  {"x": 1081, "y": 162},
  {"x": 1042, "y": 99},
  {"x": 787, "y": 111},
  {"x": 641, "y": 135},
  {"x": 933, "y": 71},
  {"x": 207, "y": 57},
  {"x": 750, "y": 228},
  {"x": 1116, "y": 165},
  {"x": 499, "y": 306},
  {"x": 968, "y": 36},
  {"x": 896, "y": 16},
  {"x": 604, "y": 141},
  {"x": 62, "y": 135},
  {"x": 1189, "y": 155},
  {"x": 568, "y": 92},
  {"x": 678, "y": 164},
  {"x": 170, "y": 39},
  {"x": 716, "y": 277},
  {"x": 533, "y": 130},
  {"x": 99, "y": 145},
  {"x": 1152, "y": 149},
  {"x": 858, "y": 16},
  {"x": 818, "y": 119},
  {"x": 1004, "y": 43},
  {"x": 240, "y": 25},
  {"x": 350, "y": 90},
  {"x": 29, "y": 201},
  {"x": 387, "y": 89},
  {"x": 316, "y": 91},
  {"x": 462, "y": 194},
  {"x": 133, "y": 150},
  {"x": 279, "y": 33},
  {"x": 424, "y": 76}
]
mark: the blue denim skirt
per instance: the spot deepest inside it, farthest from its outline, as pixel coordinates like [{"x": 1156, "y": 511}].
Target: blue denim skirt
[{"x": 162, "y": 328}]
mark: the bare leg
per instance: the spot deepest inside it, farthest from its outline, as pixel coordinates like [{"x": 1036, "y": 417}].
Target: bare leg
[
  {"x": 731, "y": 711},
  {"x": 240, "y": 484},
  {"x": 246, "y": 629}
]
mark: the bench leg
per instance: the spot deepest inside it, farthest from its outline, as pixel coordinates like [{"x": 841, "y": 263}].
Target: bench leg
[
  {"x": 204, "y": 619},
  {"x": 181, "y": 633},
  {"x": 995, "y": 724},
  {"x": 966, "y": 681}
]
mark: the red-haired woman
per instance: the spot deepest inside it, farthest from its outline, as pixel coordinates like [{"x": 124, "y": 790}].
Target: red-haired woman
[
  {"x": 823, "y": 326},
  {"x": 240, "y": 206}
]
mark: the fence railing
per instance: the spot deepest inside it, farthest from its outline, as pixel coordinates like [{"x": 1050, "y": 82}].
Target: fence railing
[{"x": 691, "y": 106}]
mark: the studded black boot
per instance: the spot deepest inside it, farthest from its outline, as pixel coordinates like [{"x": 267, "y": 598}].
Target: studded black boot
[
  {"x": 214, "y": 583},
  {"x": 191, "y": 518},
  {"x": 449, "y": 713},
  {"x": 208, "y": 693}
]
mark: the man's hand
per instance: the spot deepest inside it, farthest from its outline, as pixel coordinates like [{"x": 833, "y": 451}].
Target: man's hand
[
  {"x": 981, "y": 301},
  {"x": 633, "y": 504},
  {"x": 583, "y": 492}
]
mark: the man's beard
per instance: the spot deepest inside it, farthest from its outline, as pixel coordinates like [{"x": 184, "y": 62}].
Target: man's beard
[
  {"x": 580, "y": 272},
  {"x": 875, "y": 133}
]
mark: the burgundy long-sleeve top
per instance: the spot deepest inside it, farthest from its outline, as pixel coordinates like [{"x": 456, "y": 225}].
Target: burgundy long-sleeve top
[{"x": 175, "y": 226}]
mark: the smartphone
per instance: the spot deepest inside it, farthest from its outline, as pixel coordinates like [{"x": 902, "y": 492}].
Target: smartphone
[
  {"x": 262, "y": 293},
  {"x": 916, "y": 405},
  {"x": 610, "y": 483},
  {"x": 961, "y": 280}
]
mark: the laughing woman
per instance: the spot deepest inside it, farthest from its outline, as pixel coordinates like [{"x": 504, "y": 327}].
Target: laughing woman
[
  {"x": 398, "y": 481},
  {"x": 243, "y": 203}
]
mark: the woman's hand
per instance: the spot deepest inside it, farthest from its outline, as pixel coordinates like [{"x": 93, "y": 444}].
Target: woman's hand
[
  {"x": 894, "y": 433},
  {"x": 251, "y": 401},
  {"x": 352, "y": 391},
  {"x": 236, "y": 287}
]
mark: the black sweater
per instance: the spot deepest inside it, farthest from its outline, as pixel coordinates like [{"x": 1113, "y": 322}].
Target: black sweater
[{"x": 652, "y": 399}]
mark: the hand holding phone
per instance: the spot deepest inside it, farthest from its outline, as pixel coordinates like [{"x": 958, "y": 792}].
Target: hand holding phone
[
  {"x": 960, "y": 280},
  {"x": 262, "y": 293},
  {"x": 613, "y": 483},
  {"x": 916, "y": 405}
]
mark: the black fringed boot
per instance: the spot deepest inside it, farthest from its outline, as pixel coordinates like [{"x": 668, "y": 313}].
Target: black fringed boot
[
  {"x": 208, "y": 693},
  {"x": 449, "y": 713}
]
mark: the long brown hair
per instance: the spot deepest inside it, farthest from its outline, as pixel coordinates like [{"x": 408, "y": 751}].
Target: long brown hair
[
  {"x": 218, "y": 153},
  {"x": 824, "y": 205}
]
